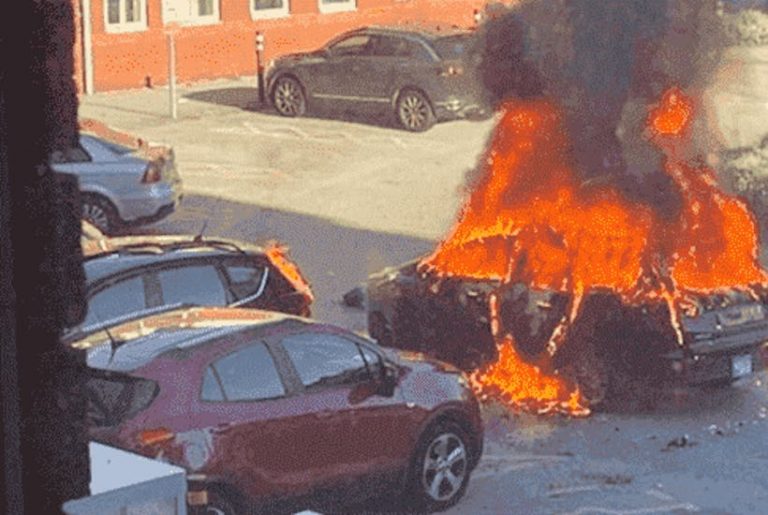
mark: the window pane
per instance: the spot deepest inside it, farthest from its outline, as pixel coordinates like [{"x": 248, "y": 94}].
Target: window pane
[
  {"x": 267, "y": 4},
  {"x": 211, "y": 389},
  {"x": 110, "y": 401},
  {"x": 132, "y": 10},
  {"x": 113, "y": 11},
  {"x": 199, "y": 285},
  {"x": 249, "y": 374},
  {"x": 244, "y": 280},
  {"x": 116, "y": 300},
  {"x": 325, "y": 359},
  {"x": 204, "y": 7}
]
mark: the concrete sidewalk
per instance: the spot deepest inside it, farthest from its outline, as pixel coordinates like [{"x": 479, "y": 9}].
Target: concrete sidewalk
[{"x": 139, "y": 109}]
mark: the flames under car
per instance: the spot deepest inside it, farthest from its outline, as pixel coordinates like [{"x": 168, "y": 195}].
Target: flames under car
[{"x": 609, "y": 347}]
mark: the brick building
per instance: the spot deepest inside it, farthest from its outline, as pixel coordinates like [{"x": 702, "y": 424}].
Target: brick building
[{"x": 122, "y": 44}]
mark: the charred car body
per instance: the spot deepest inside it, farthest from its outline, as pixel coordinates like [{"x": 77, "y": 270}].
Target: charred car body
[{"x": 609, "y": 345}]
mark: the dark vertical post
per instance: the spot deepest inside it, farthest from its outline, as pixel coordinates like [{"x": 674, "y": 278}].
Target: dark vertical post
[
  {"x": 260, "y": 67},
  {"x": 44, "y": 443}
]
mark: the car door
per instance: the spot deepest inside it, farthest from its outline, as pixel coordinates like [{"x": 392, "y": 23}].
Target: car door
[
  {"x": 352, "y": 430},
  {"x": 399, "y": 61},
  {"x": 246, "y": 404},
  {"x": 342, "y": 80}
]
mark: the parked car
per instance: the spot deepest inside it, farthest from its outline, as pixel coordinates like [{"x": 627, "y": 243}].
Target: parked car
[
  {"x": 282, "y": 412},
  {"x": 137, "y": 273},
  {"x": 121, "y": 184},
  {"x": 417, "y": 75},
  {"x": 611, "y": 347}
]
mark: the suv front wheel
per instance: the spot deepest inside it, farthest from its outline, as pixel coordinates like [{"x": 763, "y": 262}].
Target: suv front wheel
[{"x": 440, "y": 469}]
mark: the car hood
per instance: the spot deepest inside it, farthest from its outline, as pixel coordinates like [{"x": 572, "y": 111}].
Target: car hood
[{"x": 419, "y": 362}]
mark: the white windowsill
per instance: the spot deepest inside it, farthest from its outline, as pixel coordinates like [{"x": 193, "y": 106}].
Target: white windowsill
[
  {"x": 119, "y": 28},
  {"x": 270, "y": 14},
  {"x": 336, "y": 7}
]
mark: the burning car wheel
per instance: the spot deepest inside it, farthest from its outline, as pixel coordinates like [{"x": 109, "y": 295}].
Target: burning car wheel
[
  {"x": 288, "y": 97},
  {"x": 100, "y": 212},
  {"x": 414, "y": 111},
  {"x": 440, "y": 471}
]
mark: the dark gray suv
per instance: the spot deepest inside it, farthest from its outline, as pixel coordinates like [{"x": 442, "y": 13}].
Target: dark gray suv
[{"x": 419, "y": 76}]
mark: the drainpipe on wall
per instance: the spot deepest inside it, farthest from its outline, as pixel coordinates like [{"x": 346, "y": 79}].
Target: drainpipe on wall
[{"x": 87, "y": 47}]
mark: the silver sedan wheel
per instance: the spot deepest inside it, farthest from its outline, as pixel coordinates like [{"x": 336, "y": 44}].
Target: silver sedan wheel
[
  {"x": 414, "y": 112},
  {"x": 289, "y": 98},
  {"x": 97, "y": 215},
  {"x": 445, "y": 467}
]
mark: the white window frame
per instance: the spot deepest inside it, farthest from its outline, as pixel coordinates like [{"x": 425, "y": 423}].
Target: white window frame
[
  {"x": 275, "y": 12},
  {"x": 122, "y": 25},
  {"x": 337, "y": 7},
  {"x": 191, "y": 17}
]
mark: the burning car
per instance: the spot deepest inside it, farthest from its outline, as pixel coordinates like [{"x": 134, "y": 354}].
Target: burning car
[
  {"x": 610, "y": 346},
  {"x": 564, "y": 291}
]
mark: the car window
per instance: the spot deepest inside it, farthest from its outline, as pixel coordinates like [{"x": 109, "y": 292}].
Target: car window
[
  {"x": 394, "y": 46},
  {"x": 325, "y": 359},
  {"x": 245, "y": 375},
  {"x": 246, "y": 281},
  {"x": 200, "y": 284},
  {"x": 70, "y": 155},
  {"x": 453, "y": 47},
  {"x": 116, "y": 300},
  {"x": 114, "y": 399},
  {"x": 353, "y": 45}
]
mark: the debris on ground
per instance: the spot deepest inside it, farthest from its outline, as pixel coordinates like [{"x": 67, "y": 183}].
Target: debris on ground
[
  {"x": 679, "y": 443},
  {"x": 355, "y": 298}
]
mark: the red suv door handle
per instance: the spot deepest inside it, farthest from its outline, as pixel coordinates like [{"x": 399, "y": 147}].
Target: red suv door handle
[
  {"x": 223, "y": 428},
  {"x": 324, "y": 414}
]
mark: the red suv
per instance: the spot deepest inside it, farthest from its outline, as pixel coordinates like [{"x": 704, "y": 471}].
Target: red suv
[{"x": 264, "y": 408}]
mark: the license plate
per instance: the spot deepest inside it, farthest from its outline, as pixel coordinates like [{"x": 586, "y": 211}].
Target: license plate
[{"x": 741, "y": 366}]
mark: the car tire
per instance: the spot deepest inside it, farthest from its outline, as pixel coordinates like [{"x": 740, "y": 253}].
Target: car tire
[
  {"x": 288, "y": 97},
  {"x": 100, "y": 212},
  {"x": 413, "y": 111},
  {"x": 443, "y": 453}
]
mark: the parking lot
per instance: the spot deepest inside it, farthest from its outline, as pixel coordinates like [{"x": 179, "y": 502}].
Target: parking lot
[{"x": 350, "y": 197}]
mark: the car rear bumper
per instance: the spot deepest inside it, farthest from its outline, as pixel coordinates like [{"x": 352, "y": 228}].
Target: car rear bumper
[
  {"x": 453, "y": 108},
  {"x": 714, "y": 367},
  {"x": 154, "y": 203}
]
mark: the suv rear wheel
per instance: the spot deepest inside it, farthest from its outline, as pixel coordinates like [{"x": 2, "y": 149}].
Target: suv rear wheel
[
  {"x": 413, "y": 111},
  {"x": 441, "y": 467}
]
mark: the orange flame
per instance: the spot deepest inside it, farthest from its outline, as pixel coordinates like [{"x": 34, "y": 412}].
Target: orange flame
[{"x": 528, "y": 219}]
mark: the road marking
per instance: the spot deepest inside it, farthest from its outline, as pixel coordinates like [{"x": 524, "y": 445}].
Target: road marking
[
  {"x": 574, "y": 489},
  {"x": 637, "y": 511}
]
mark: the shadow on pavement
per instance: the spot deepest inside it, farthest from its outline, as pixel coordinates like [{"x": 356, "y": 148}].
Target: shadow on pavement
[
  {"x": 334, "y": 258},
  {"x": 247, "y": 99},
  {"x": 244, "y": 98}
]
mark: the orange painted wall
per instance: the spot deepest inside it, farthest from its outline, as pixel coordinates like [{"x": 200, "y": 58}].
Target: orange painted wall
[{"x": 227, "y": 48}]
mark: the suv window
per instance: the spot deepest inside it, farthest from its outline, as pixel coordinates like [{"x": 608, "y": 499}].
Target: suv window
[
  {"x": 199, "y": 285},
  {"x": 248, "y": 374},
  {"x": 353, "y": 45},
  {"x": 326, "y": 359},
  {"x": 246, "y": 281},
  {"x": 454, "y": 47},
  {"x": 116, "y": 300},
  {"x": 393, "y": 46}
]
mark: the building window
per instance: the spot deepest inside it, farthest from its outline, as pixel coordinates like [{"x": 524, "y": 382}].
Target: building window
[
  {"x": 268, "y": 8},
  {"x": 125, "y": 15},
  {"x": 191, "y": 12},
  {"x": 335, "y": 6}
]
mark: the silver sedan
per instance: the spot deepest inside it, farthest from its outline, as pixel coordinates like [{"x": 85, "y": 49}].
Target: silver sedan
[{"x": 121, "y": 185}]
